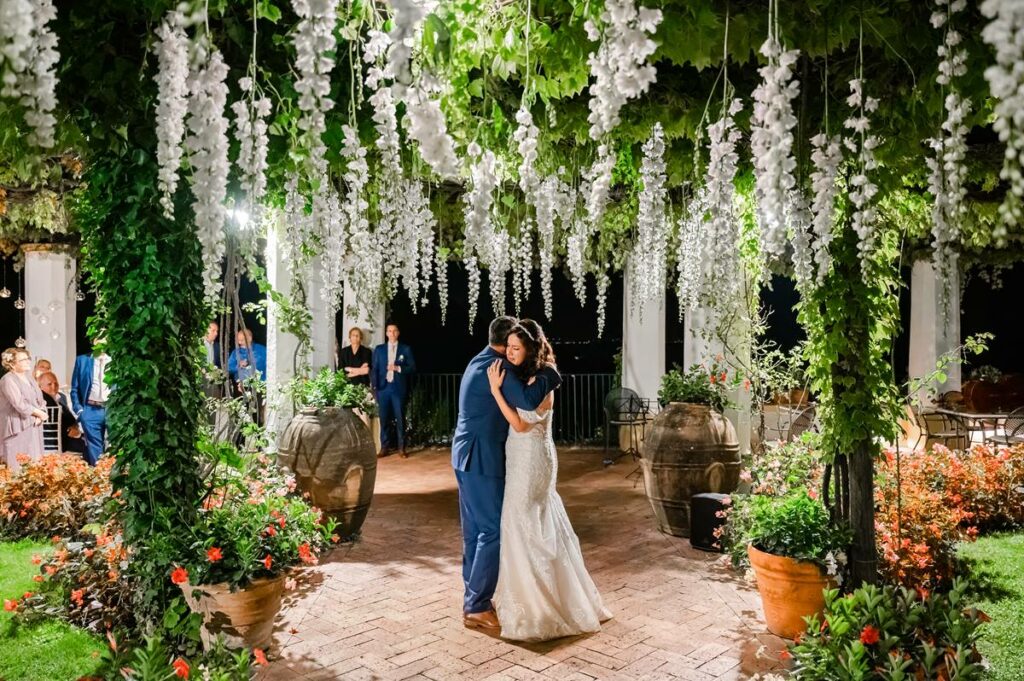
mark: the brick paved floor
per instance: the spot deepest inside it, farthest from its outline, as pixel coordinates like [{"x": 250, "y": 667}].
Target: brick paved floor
[{"x": 389, "y": 605}]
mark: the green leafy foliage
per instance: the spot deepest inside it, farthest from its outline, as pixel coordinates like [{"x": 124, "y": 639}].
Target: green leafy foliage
[
  {"x": 795, "y": 526},
  {"x": 701, "y": 384},
  {"x": 891, "y": 634},
  {"x": 329, "y": 388}
]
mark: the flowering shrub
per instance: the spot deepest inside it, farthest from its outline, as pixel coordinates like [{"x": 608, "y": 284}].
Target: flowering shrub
[
  {"x": 788, "y": 466},
  {"x": 253, "y": 525},
  {"x": 58, "y": 494},
  {"x": 331, "y": 388},
  {"x": 890, "y": 633},
  {"x": 702, "y": 384},
  {"x": 942, "y": 497}
]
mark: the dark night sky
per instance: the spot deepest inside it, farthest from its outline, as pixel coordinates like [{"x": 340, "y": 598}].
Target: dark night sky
[{"x": 573, "y": 332}]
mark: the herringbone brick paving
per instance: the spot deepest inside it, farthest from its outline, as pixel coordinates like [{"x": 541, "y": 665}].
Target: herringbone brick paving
[{"x": 389, "y": 605}]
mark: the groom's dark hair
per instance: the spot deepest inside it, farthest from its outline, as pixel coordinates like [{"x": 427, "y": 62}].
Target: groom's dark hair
[{"x": 497, "y": 333}]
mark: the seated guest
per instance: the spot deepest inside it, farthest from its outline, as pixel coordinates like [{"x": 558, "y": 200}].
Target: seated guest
[
  {"x": 42, "y": 366},
  {"x": 248, "y": 359},
  {"x": 356, "y": 358},
  {"x": 71, "y": 434}
]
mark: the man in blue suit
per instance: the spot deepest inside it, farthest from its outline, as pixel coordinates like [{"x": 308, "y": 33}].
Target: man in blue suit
[
  {"x": 390, "y": 371},
  {"x": 89, "y": 394},
  {"x": 478, "y": 457}
]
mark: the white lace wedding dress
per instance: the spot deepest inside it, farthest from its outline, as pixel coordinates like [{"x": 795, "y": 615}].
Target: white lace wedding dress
[{"x": 544, "y": 590}]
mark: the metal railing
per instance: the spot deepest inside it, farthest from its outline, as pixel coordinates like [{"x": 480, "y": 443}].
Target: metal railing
[{"x": 579, "y": 408}]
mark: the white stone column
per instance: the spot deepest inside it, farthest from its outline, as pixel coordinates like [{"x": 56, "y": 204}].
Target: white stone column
[
  {"x": 934, "y": 325},
  {"x": 321, "y": 331},
  {"x": 50, "y": 307},
  {"x": 643, "y": 344},
  {"x": 281, "y": 346},
  {"x": 701, "y": 343}
]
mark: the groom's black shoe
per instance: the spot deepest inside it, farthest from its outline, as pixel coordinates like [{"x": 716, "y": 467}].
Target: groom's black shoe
[{"x": 487, "y": 620}]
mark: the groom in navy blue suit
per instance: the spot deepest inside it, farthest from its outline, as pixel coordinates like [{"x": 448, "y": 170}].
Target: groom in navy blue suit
[{"x": 478, "y": 457}]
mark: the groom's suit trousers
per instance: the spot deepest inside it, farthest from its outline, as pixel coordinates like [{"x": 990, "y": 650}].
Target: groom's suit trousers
[{"x": 480, "y": 500}]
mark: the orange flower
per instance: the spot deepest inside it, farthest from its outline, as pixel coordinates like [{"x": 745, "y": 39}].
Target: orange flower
[
  {"x": 869, "y": 635},
  {"x": 213, "y": 554},
  {"x": 179, "y": 576},
  {"x": 712, "y": 377},
  {"x": 785, "y": 655},
  {"x": 271, "y": 531},
  {"x": 36, "y": 559},
  {"x": 89, "y": 552},
  {"x": 112, "y": 641},
  {"x": 261, "y": 658},
  {"x": 335, "y": 539},
  {"x": 10, "y": 605},
  {"x": 37, "y": 578},
  {"x": 721, "y": 377},
  {"x": 280, "y": 522},
  {"x": 306, "y": 555},
  {"x": 267, "y": 561},
  {"x": 181, "y": 668},
  {"x": 77, "y": 597}
]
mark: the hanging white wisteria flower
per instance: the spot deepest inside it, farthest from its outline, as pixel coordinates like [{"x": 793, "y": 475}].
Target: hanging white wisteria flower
[
  {"x": 522, "y": 262},
  {"x": 251, "y": 114},
  {"x": 771, "y": 142},
  {"x": 441, "y": 267},
  {"x": 473, "y": 280},
  {"x": 603, "y": 280},
  {"x": 525, "y": 137},
  {"x": 479, "y": 200},
  {"x": 722, "y": 279},
  {"x": 862, "y": 190},
  {"x": 28, "y": 57},
  {"x": 172, "y": 104},
  {"x": 619, "y": 66},
  {"x": 328, "y": 214},
  {"x": 419, "y": 204},
  {"x": 407, "y": 17},
  {"x": 207, "y": 147},
  {"x": 599, "y": 179},
  {"x": 497, "y": 270},
  {"x": 690, "y": 253},
  {"x": 799, "y": 220},
  {"x": 550, "y": 200},
  {"x": 364, "y": 265},
  {"x": 647, "y": 281},
  {"x": 826, "y": 157},
  {"x": 576, "y": 248},
  {"x": 425, "y": 123},
  {"x": 948, "y": 172},
  {"x": 1005, "y": 32},
  {"x": 314, "y": 46}
]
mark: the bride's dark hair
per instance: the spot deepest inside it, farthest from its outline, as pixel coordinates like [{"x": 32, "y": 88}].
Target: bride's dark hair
[{"x": 539, "y": 353}]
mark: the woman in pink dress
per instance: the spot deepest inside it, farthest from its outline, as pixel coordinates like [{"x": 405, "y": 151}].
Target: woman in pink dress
[{"x": 22, "y": 410}]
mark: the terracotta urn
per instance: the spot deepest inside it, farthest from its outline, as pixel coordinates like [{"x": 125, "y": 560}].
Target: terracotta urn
[{"x": 244, "y": 617}]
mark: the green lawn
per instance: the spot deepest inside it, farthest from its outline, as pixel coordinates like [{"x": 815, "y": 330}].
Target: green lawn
[
  {"x": 998, "y": 578},
  {"x": 51, "y": 651}
]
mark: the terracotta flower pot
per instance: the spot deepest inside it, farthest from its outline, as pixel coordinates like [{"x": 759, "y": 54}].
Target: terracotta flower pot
[
  {"x": 244, "y": 617},
  {"x": 790, "y": 590}
]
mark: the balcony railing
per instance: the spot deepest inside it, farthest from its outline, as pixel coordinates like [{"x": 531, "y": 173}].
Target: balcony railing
[{"x": 579, "y": 413}]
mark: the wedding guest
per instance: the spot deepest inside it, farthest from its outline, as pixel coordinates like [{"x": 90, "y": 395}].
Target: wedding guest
[
  {"x": 89, "y": 395},
  {"x": 356, "y": 358},
  {"x": 248, "y": 359},
  {"x": 22, "y": 410},
  {"x": 71, "y": 433},
  {"x": 42, "y": 366},
  {"x": 212, "y": 345},
  {"x": 390, "y": 370}
]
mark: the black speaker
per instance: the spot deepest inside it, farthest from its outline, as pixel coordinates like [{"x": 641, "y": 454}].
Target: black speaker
[{"x": 704, "y": 520}]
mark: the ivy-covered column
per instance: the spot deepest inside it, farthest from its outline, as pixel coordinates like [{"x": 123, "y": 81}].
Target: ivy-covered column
[{"x": 146, "y": 271}]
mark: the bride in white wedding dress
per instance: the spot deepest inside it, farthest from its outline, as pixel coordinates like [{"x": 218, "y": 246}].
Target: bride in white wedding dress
[{"x": 544, "y": 590}]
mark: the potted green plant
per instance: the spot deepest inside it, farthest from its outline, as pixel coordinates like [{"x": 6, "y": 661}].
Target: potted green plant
[
  {"x": 329, "y": 447},
  {"x": 690, "y": 446},
  {"x": 253, "y": 528},
  {"x": 796, "y": 553}
]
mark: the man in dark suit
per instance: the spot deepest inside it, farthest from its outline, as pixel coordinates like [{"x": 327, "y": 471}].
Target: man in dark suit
[
  {"x": 478, "y": 457},
  {"x": 71, "y": 433},
  {"x": 89, "y": 393},
  {"x": 390, "y": 372}
]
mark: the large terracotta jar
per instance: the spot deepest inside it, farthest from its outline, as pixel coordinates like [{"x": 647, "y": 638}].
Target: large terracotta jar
[
  {"x": 244, "y": 617},
  {"x": 688, "y": 449},
  {"x": 330, "y": 450},
  {"x": 790, "y": 590}
]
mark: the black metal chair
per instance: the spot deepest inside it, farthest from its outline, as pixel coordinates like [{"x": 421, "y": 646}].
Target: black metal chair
[
  {"x": 624, "y": 407},
  {"x": 803, "y": 422},
  {"x": 1013, "y": 430}
]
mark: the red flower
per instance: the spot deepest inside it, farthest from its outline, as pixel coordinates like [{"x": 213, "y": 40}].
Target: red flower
[
  {"x": 261, "y": 658},
  {"x": 280, "y": 522},
  {"x": 181, "y": 668},
  {"x": 306, "y": 555},
  {"x": 869, "y": 635},
  {"x": 712, "y": 377},
  {"x": 180, "y": 575},
  {"x": 10, "y": 605},
  {"x": 37, "y": 578},
  {"x": 213, "y": 554},
  {"x": 77, "y": 597},
  {"x": 335, "y": 539},
  {"x": 36, "y": 559},
  {"x": 28, "y": 594},
  {"x": 267, "y": 562},
  {"x": 271, "y": 531},
  {"x": 785, "y": 655},
  {"x": 721, "y": 377}
]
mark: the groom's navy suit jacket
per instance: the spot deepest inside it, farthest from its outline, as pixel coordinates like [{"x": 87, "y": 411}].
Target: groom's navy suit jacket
[{"x": 479, "y": 443}]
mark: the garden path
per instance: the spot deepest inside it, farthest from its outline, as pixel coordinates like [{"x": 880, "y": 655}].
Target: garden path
[{"x": 389, "y": 605}]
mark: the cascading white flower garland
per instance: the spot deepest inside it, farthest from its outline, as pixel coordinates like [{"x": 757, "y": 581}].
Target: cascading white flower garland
[
  {"x": 314, "y": 42},
  {"x": 28, "y": 56},
  {"x": 690, "y": 253},
  {"x": 525, "y": 137},
  {"x": 522, "y": 262},
  {"x": 441, "y": 267},
  {"x": 425, "y": 123},
  {"x": 419, "y": 205},
  {"x": 771, "y": 141},
  {"x": 599, "y": 179},
  {"x": 619, "y": 66},
  {"x": 826, "y": 157},
  {"x": 721, "y": 279},
  {"x": 251, "y": 114},
  {"x": 407, "y": 16},
  {"x": 1005, "y": 33},
  {"x": 648, "y": 258},
  {"x": 603, "y": 280},
  {"x": 207, "y": 147},
  {"x": 862, "y": 144},
  {"x": 364, "y": 269},
  {"x": 330, "y": 219},
  {"x": 800, "y": 220},
  {"x": 497, "y": 269},
  {"x": 550, "y": 204},
  {"x": 172, "y": 104},
  {"x": 479, "y": 228},
  {"x": 948, "y": 173}
]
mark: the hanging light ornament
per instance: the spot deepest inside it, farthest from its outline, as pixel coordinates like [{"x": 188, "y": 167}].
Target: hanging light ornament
[{"x": 4, "y": 291}]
